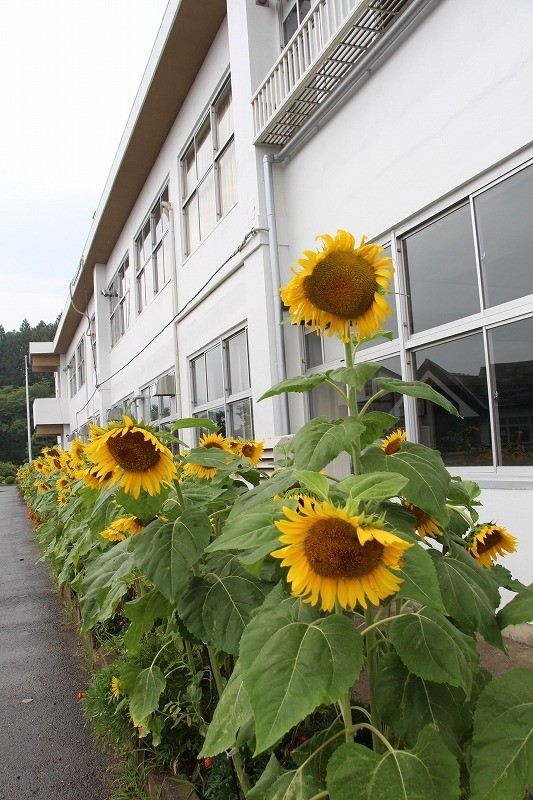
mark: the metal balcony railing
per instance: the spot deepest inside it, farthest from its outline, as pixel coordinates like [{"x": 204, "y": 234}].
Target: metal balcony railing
[{"x": 334, "y": 36}]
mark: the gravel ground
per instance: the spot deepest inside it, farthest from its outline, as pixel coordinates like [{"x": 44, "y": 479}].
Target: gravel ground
[{"x": 46, "y": 749}]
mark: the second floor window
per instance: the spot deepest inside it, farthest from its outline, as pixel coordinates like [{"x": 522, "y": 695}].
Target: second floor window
[
  {"x": 80, "y": 361},
  {"x": 152, "y": 253},
  {"x": 71, "y": 367},
  {"x": 209, "y": 172},
  {"x": 119, "y": 301}
]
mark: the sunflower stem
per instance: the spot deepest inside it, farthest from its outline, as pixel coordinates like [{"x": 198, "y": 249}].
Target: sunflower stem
[
  {"x": 346, "y": 710},
  {"x": 372, "y": 664},
  {"x": 349, "y": 357}
]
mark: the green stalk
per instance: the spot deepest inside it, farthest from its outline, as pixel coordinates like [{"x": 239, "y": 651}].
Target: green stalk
[
  {"x": 372, "y": 664},
  {"x": 349, "y": 356},
  {"x": 346, "y": 710}
]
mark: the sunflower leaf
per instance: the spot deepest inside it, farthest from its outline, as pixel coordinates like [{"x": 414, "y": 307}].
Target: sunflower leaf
[
  {"x": 417, "y": 389},
  {"x": 210, "y": 457},
  {"x": 420, "y": 579},
  {"x": 434, "y": 649},
  {"x": 302, "y": 383},
  {"x": 428, "y": 478},
  {"x": 406, "y": 703},
  {"x": 193, "y": 422},
  {"x": 144, "y": 699},
  {"x": 355, "y": 376},
  {"x": 314, "y": 482},
  {"x": 502, "y": 744},
  {"x": 279, "y": 653},
  {"x": 166, "y": 552},
  {"x": 145, "y": 507},
  {"x": 142, "y": 614},
  {"x": 105, "y": 583},
  {"x": 519, "y": 609},
  {"x": 373, "y": 485},
  {"x": 276, "y": 484},
  {"x": 250, "y": 530},
  {"x": 216, "y": 607},
  {"x": 294, "y": 785},
  {"x": 427, "y": 772},
  {"x": 376, "y": 424},
  {"x": 232, "y": 712},
  {"x": 318, "y": 442},
  {"x": 471, "y": 596}
]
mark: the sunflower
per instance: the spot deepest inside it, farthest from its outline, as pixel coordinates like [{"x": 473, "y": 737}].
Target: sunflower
[
  {"x": 426, "y": 525},
  {"x": 341, "y": 286},
  {"x": 121, "y": 528},
  {"x": 337, "y": 556},
  {"x": 209, "y": 440},
  {"x": 77, "y": 449},
  {"x": 253, "y": 451},
  {"x": 489, "y": 542},
  {"x": 140, "y": 459},
  {"x": 41, "y": 486},
  {"x": 115, "y": 687},
  {"x": 393, "y": 442},
  {"x": 62, "y": 499}
]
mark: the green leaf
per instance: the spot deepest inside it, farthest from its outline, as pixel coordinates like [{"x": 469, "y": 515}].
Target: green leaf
[
  {"x": 355, "y": 376},
  {"x": 272, "y": 772},
  {"x": 407, "y": 703},
  {"x": 280, "y": 652},
  {"x": 318, "y": 442},
  {"x": 210, "y": 457},
  {"x": 420, "y": 579},
  {"x": 417, "y": 389},
  {"x": 105, "y": 583},
  {"x": 145, "y": 507},
  {"x": 144, "y": 698},
  {"x": 302, "y": 383},
  {"x": 502, "y": 745},
  {"x": 434, "y": 649},
  {"x": 428, "y": 772},
  {"x": 142, "y": 614},
  {"x": 277, "y": 484},
  {"x": 428, "y": 478},
  {"x": 502, "y": 577},
  {"x": 251, "y": 530},
  {"x": 471, "y": 596},
  {"x": 201, "y": 494},
  {"x": 373, "y": 485},
  {"x": 166, "y": 552},
  {"x": 313, "y": 482},
  {"x": 216, "y": 608},
  {"x": 376, "y": 423},
  {"x": 520, "y": 609},
  {"x": 294, "y": 785},
  {"x": 232, "y": 712}
]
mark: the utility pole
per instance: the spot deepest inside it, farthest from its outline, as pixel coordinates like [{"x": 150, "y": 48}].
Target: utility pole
[{"x": 28, "y": 408}]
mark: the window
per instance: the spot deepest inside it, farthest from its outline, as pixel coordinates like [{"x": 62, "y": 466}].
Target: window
[
  {"x": 220, "y": 378},
  {"x": 293, "y": 13},
  {"x": 80, "y": 361},
  {"x": 208, "y": 170},
  {"x": 156, "y": 407},
  {"x": 152, "y": 253},
  {"x": 469, "y": 275},
  {"x": 119, "y": 301},
  {"x": 71, "y": 367}
]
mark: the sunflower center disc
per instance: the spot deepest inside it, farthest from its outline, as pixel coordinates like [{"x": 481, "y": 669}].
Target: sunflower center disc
[
  {"x": 132, "y": 452},
  {"x": 334, "y": 551},
  {"x": 343, "y": 284},
  {"x": 491, "y": 540}
]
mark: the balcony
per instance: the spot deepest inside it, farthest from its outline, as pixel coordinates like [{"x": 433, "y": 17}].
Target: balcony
[
  {"x": 43, "y": 358},
  {"x": 328, "y": 45},
  {"x": 49, "y": 416}
]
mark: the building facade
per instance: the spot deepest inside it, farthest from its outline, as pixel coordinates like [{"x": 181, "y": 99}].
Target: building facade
[{"x": 260, "y": 124}]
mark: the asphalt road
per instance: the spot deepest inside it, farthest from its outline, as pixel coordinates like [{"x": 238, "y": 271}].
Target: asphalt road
[{"x": 46, "y": 750}]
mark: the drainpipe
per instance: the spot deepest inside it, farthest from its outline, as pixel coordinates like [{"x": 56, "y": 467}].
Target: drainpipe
[
  {"x": 169, "y": 211},
  {"x": 283, "y": 399}
]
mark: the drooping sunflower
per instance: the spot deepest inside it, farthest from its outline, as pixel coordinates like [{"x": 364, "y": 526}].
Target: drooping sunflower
[
  {"x": 77, "y": 449},
  {"x": 62, "y": 499},
  {"x": 252, "y": 450},
  {"x": 135, "y": 457},
  {"x": 342, "y": 286},
  {"x": 332, "y": 556},
  {"x": 426, "y": 525},
  {"x": 209, "y": 440},
  {"x": 393, "y": 442},
  {"x": 489, "y": 542},
  {"x": 41, "y": 486},
  {"x": 121, "y": 528}
]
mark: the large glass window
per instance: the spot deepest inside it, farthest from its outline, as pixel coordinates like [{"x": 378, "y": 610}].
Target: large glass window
[
  {"x": 457, "y": 370},
  {"x": 209, "y": 172},
  {"x": 154, "y": 408},
  {"x": 119, "y": 301},
  {"x": 441, "y": 268},
  {"x": 220, "y": 379},
  {"x": 505, "y": 234},
  {"x": 152, "y": 253},
  {"x": 80, "y": 361},
  {"x": 71, "y": 368}
]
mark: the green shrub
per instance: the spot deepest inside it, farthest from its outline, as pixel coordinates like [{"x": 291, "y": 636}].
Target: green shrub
[
  {"x": 10, "y": 480},
  {"x": 7, "y": 469}
]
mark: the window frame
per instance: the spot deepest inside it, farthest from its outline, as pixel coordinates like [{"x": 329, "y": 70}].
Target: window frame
[
  {"x": 72, "y": 377},
  {"x": 218, "y": 149},
  {"x": 119, "y": 301},
  {"x": 146, "y": 267},
  {"x": 80, "y": 363}
]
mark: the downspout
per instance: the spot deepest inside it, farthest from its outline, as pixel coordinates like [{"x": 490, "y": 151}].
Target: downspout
[
  {"x": 169, "y": 211},
  {"x": 283, "y": 400}
]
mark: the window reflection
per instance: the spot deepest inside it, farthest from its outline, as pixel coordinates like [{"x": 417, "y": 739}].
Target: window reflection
[
  {"x": 457, "y": 370},
  {"x": 512, "y": 370}
]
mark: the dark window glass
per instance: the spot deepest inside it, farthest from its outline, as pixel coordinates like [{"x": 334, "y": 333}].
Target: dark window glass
[
  {"x": 505, "y": 230},
  {"x": 240, "y": 419},
  {"x": 199, "y": 381},
  {"x": 512, "y": 369},
  {"x": 390, "y": 403},
  {"x": 238, "y": 371},
  {"x": 441, "y": 269},
  {"x": 313, "y": 350},
  {"x": 215, "y": 380},
  {"x": 457, "y": 370}
]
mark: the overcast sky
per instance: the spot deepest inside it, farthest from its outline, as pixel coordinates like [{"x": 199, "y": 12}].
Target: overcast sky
[{"x": 69, "y": 72}]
